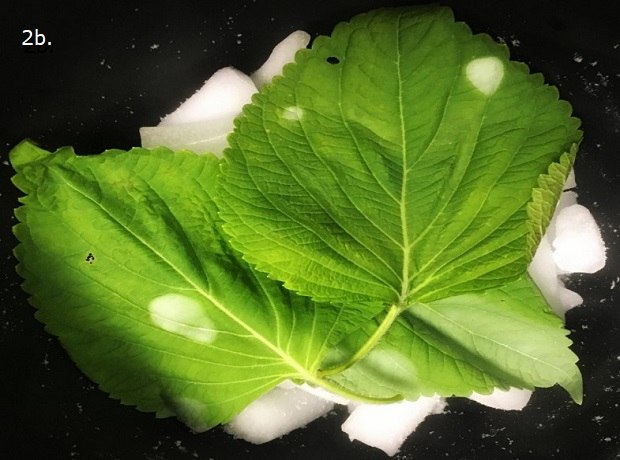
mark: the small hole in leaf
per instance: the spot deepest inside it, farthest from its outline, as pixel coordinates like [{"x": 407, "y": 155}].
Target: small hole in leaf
[{"x": 333, "y": 60}]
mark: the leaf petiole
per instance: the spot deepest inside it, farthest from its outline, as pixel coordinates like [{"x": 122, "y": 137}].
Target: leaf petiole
[
  {"x": 372, "y": 341},
  {"x": 338, "y": 389}
]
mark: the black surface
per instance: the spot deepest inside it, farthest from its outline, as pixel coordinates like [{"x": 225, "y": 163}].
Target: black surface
[{"x": 114, "y": 68}]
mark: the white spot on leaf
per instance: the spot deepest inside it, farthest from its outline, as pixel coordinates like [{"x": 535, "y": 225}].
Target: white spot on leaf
[
  {"x": 292, "y": 113},
  {"x": 182, "y": 315},
  {"x": 485, "y": 74}
]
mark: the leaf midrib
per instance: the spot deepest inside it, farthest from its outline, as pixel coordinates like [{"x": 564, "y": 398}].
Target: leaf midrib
[{"x": 405, "y": 245}]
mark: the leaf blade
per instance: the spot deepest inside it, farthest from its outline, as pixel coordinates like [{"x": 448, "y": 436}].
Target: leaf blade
[
  {"x": 122, "y": 255},
  {"x": 414, "y": 184}
]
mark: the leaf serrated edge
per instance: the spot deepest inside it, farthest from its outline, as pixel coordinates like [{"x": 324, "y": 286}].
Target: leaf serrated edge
[{"x": 545, "y": 197}]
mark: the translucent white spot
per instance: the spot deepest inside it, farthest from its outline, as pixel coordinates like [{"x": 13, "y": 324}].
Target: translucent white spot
[
  {"x": 182, "y": 315},
  {"x": 292, "y": 113},
  {"x": 485, "y": 74}
]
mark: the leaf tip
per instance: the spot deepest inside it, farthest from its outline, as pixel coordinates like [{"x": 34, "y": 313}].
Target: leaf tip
[{"x": 575, "y": 388}]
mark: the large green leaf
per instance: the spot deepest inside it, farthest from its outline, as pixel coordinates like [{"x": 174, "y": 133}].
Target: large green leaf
[
  {"x": 472, "y": 342},
  {"x": 122, "y": 255},
  {"x": 393, "y": 163}
]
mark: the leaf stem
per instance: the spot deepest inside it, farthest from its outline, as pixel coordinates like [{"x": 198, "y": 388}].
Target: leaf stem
[
  {"x": 372, "y": 341},
  {"x": 338, "y": 389}
]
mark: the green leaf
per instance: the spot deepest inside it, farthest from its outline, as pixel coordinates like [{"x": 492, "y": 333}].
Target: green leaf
[
  {"x": 123, "y": 257},
  {"x": 472, "y": 342},
  {"x": 394, "y": 164}
]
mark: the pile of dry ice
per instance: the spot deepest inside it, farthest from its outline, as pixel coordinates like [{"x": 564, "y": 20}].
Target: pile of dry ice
[{"x": 572, "y": 244}]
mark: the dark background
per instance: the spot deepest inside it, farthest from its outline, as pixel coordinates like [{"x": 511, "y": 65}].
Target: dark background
[{"x": 111, "y": 69}]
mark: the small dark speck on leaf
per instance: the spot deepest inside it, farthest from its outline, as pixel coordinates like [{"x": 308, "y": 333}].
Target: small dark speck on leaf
[
  {"x": 90, "y": 258},
  {"x": 333, "y": 60}
]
